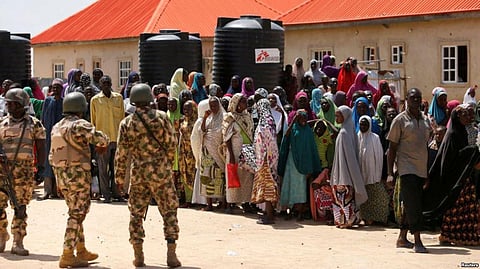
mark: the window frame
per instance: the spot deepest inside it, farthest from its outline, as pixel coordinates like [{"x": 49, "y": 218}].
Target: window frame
[
  {"x": 322, "y": 51},
  {"x": 122, "y": 80},
  {"x": 55, "y": 71},
  {"x": 400, "y": 52},
  {"x": 447, "y": 69},
  {"x": 370, "y": 58}
]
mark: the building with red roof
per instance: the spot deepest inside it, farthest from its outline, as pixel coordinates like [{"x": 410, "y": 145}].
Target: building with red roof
[{"x": 412, "y": 43}]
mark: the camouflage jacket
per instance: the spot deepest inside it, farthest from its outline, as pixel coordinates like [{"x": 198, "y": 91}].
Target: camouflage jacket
[
  {"x": 10, "y": 132},
  {"x": 149, "y": 160},
  {"x": 71, "y": 138}
]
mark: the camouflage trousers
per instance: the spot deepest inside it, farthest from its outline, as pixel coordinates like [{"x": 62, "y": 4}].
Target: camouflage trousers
[
  {"x": 166, "y": 196},
  {"x": 23, "y": 185},
  {"x": 74, "y": 184}
]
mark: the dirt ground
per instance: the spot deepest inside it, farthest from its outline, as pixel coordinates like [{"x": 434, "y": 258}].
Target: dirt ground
[{"x": 217, "y": 240}]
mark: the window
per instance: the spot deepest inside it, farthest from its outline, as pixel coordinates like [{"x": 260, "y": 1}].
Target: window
[
  {"x": 455, "y": 64},
  {"x": 124, "y": 68},
  {"x": 319, "y": 53},
  {"x": 81, "y": 65},
  {"x": 97, "y": 63},
  {"x": 58, "y": 70},
  {"x": 397, "y": 54},
  {"x": 369, "y": 54}
]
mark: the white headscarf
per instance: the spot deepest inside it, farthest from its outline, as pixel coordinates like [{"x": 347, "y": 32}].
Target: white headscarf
[
  {"x": 197, "y": 133},
  {"x": 467, "y": 98},
  {"x": 370, "y": 154},
  {"x": 277, "y": 116}
]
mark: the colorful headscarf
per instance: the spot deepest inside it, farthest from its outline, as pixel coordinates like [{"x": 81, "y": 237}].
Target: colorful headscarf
[
  {"x": 315, "y": 103},
  {"x": 246, "y": 92},
  {"x": 201, "y": 93},
  {"x": 355, "y": 115},
  {"x": 262, "y": 92},
  {"x": 435, "y": 110},
  {"x": 243, "y": 119},
  {"x": 330, "y": 114},
  {"x": 176, "y": 115},
  {"x": 177, "y": 84}
]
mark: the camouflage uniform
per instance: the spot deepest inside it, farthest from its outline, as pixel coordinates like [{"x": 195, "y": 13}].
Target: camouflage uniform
[
  {"x": 151, "y": 173},
  {"x": 70, "y": 158},
  {"x": 23, "y": 167}
]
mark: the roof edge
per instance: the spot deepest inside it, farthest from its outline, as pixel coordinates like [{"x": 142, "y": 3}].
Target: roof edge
[{"x": 374, "y": 21}]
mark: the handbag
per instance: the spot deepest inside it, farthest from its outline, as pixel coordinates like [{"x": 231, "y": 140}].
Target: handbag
[
  {"x": 232, "y": 176},
  {"x": 247, "y": 159}
]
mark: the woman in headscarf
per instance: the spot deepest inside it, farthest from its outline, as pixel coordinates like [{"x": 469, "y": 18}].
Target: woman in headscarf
[
  {"x": 301, "y": 102},
  {"x": 327, "y": 111},
  {"x": 298, "y": 72},
  {"x": 346, "y": 178},
  {"x": 132, "y": 78},
  {"x": 437, "y": 112},
  {"x": 248, "y": 89},
  {"x": 212, "y": 160},
  {"x": 340, "y": 98},
  {"x": 315, "y": 73},
  {"x": 361, "y": 84},
  {"x": 324, "y": 133},
  {"x": 238, "y": 131},
  {"x": 315, "y": 103},
  {"x": 73, "y": 81},
  {"x": 177, "y": 83},
  {"x": 298, "y": 158},
  {"x": 184, "y": 96},
  {"x": 191, "y": 76},
  {"x": 346, "y": 77},
  {"x": 215, "y": 90},
  {"x": 265, "y": 188},
  {"x": 173, "y": 113},
  {"x": 370, "y": 155},
  {"x": 288, "y": 82},
  {"x": 235, "y": 85},
  {"x": 383, "y": 90},
  {"x": 278, "y": 90},
  {"x": 279, "y": 116},
  {"x": 469, "y": 96},
  {"x": 199, "y": 92},
  {"x": 197, "y": 141},
  {"x": 451, "y": 194},
  {"x": 327, "y": 67},
  {"x": 360, "y": 108},
  {"x": 186, "y": 157}
]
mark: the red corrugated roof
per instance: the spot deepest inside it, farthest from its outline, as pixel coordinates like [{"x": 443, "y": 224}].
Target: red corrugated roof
[
  {"x": 328, "y": 11},
  {"x": 114, "y": 19}
]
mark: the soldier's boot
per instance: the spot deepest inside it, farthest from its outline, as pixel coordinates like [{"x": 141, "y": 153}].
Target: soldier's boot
[
  {"x": 17, "y": 247},
  {"x": 69, "y": 260},
  {"x": 139, "y": 258},
  {"x": 172, "y": 260},
  {"x": 3, "y": 241},
  {"x": 84, "y": 254}
]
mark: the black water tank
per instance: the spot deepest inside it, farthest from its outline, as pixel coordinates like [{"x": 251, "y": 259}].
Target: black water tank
[
  {"x": 160, "y": 54},
  {"x": 15, "y": 57},
  {"x": 238, "y": 47}
]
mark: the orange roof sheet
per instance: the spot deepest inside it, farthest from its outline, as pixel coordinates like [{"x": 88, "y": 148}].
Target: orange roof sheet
[
  {"x": 329, "y": 11},
  {"x": 113, "y": 19}
]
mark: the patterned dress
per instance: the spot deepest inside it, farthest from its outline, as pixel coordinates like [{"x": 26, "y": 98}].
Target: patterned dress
[
  {"x": 187, "y": 160},
  {"x": 265, "y": 187}
]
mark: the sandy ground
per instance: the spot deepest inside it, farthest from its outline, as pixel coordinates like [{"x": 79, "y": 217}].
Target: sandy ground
[{"x": 217, "y": 240}]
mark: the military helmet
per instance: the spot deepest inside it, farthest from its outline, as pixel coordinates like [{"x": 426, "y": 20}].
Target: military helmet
[
  {"x": 141, "y": 93},
  {"x": 18, "y": 95},
  {"x": 74, "y": 102}
]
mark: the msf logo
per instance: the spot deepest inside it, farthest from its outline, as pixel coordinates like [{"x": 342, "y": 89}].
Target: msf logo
[{"x": 262, "y": 56}]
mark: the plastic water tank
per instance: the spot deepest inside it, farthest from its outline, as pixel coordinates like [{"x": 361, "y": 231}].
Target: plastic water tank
[
  {"x": 15, "y": 56},
  {"x": 160, "y": 54},
  {"x": 248, "y": 46}
]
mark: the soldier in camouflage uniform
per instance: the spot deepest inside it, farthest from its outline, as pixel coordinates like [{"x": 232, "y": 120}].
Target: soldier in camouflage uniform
[
  {"x": 147, "y": 138},
  {"x": 19, "y": 133},
  {"x": 70, "y": 158}
]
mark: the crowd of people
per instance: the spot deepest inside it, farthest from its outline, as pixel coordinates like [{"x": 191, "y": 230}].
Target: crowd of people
[{"x": 323, "y": 144}]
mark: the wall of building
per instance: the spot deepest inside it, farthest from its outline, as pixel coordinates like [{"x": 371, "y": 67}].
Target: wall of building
[
  {"x": 422, "y": 41},
  {"x": 108, "y": 53}
]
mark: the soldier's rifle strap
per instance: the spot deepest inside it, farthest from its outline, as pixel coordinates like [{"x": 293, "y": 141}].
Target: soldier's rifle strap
[
  {"x": 18, "y": 146},
  {"x": 149, "y": 131}
]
